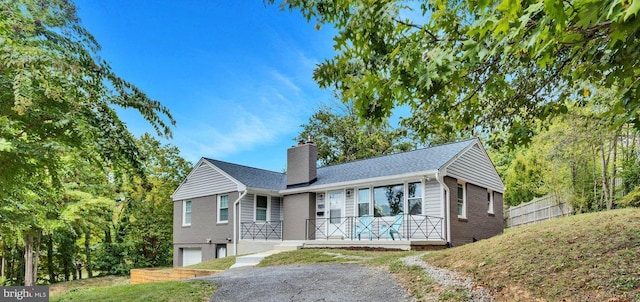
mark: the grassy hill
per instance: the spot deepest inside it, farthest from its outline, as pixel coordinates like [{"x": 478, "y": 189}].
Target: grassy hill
[{"x": 587, "y": 257}]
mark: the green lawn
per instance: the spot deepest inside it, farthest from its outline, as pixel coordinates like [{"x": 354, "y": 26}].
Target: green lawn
[
  {"x": 218, "y": 264},
  {"x": 588, "y": 257},
  {"x": 307, "y": 256},
  {"x": 173, "y": 291},
  {"x": 105, "y": 281}
]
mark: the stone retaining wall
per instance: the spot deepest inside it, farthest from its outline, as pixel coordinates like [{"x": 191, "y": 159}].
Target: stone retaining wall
[{"x": 150, "y": 275}]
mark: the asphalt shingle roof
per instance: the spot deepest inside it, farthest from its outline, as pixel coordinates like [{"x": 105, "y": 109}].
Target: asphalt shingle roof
[
  {"x": 426, "y": 159},
  {"x": 253, "y": 177}
]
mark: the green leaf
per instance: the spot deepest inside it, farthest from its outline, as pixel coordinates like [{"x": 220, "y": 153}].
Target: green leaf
[
  {"x": 632, "y": 9},
  {"x": 5, "y": 146}
]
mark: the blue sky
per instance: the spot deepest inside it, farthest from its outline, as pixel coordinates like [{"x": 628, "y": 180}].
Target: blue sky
[{"x": 236, "y": 75}]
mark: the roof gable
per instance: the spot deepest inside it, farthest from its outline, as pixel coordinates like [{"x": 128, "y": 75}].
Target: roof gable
[
  {"x": 205, "y": 179},
  {"x": 252, "y": 177},
  {"x": 474, "y": 165}
]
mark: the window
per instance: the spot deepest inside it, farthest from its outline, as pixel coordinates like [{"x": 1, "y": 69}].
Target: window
[
  {"x": 262, "y": 203},
  {"x": 388, "y": 200},
  {"x": 223, "y": 208},
  {"x": 363, "y": 202},
  {"x": 490, "y": 201},
  {"x": 461, "y": 200},
  {"x": 186, "y": 212},
  {"x": 415, "y": 198}
]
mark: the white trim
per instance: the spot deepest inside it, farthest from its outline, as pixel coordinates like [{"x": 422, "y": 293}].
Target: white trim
[
  {"x": 239, "y": 186},
  {"x": 490, "y": 208},
  {"x": 405, "y": 194},
  {"x": 464, "y": 199},
  {"x": 446, "y": 208},
  {"x": 357, "y": 201},
  {"x": 343, "y": 205},
  {"x": 184, "y": 212},
  {"x": 421, "y": 197},
  {"x": 477, "y": 142},
  {"x": 443, "y": 168},
  {"x": 219, "y": 198},
  {"x": 264, "y": 191},
  {"x": 236, "y": 204},
  {"x": 255, "y": 208}
]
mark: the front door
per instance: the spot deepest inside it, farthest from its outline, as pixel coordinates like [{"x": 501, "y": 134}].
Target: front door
[
  {"x": 221, "y": 250},
  {"x": 336, "y": 227}
]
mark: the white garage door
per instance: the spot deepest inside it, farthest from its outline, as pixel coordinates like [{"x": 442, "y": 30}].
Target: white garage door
[{"x": 191, "y": 256}]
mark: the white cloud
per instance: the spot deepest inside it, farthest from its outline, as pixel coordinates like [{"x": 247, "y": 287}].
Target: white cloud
[
  {"x": 262, "y": 120},
  {"x": 267, "y": 107},
  {"x": 286, "y": 81}
]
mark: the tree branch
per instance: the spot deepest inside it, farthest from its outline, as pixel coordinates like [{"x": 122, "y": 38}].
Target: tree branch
[{"x": 433, "y": 36}]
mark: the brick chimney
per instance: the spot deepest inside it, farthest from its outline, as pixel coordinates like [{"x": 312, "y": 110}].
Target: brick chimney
[{"x": 301, "y": 164}]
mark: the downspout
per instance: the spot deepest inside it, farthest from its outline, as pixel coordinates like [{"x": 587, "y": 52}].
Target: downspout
[
  {"x": 236, "y": 211},
  {"x": 447, "y": 210}
]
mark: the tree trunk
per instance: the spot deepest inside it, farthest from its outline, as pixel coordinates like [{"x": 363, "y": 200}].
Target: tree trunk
[
  {"x": 604, "y": 179},
  {"x": 31, "y": 257},
  {"x": 28, "y": 260},
  {"x": 36, "y": 257},
  {"x": 11, "y": 266},
  {"x": 87, "y": 250},
  {"x": 612, "y": 179},
  {"x": 52, "y": 273},
  {"x": 65, "y": 268},
  {"x": 4, "y": 258}
]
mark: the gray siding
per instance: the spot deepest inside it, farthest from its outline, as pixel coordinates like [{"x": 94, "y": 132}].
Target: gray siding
[
  {"x": 318, "y": 224},
  {"x": 203, "y": 227},
  {"x": 247, "y": 208},
  {"x": 349, "y": 203},
  {"x": 204, "y": 181},
  {"x": 270, "y": 230},
  {"x": 433, "y": 199},
  {"x": 276, "y": 208},
  {"x": 475, "y": 166}
]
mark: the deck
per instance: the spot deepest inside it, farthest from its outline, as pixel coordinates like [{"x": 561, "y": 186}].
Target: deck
[{"x": 399, "y": 232}]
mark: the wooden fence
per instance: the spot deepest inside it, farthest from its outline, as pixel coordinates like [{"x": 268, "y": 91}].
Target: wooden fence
[{"x": 539, "y": 209}]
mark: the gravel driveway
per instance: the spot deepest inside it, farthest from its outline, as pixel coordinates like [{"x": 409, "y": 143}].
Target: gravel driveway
[{"x": 315, "y": 282}]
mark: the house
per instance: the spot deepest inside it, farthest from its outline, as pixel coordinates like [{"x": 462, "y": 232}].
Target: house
[{"x": 445, "y": 195}]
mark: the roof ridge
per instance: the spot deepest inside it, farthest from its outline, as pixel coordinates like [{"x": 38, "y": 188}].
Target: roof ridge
[{"x": 240, "y": 165}]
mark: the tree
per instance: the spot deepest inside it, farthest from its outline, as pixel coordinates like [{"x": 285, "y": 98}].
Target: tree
[
  {"x": 496, "y": 66},
  {"x": 342, "y": 137},
  {"x": 523, "y": 178},
  {"x": 150, "y": 225},
  {"x": 139, "y": 234},
  {"x": 87, "y": 214},
  {"x": 58, "y": 96},
  {"x": 579, "y": 158}
]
